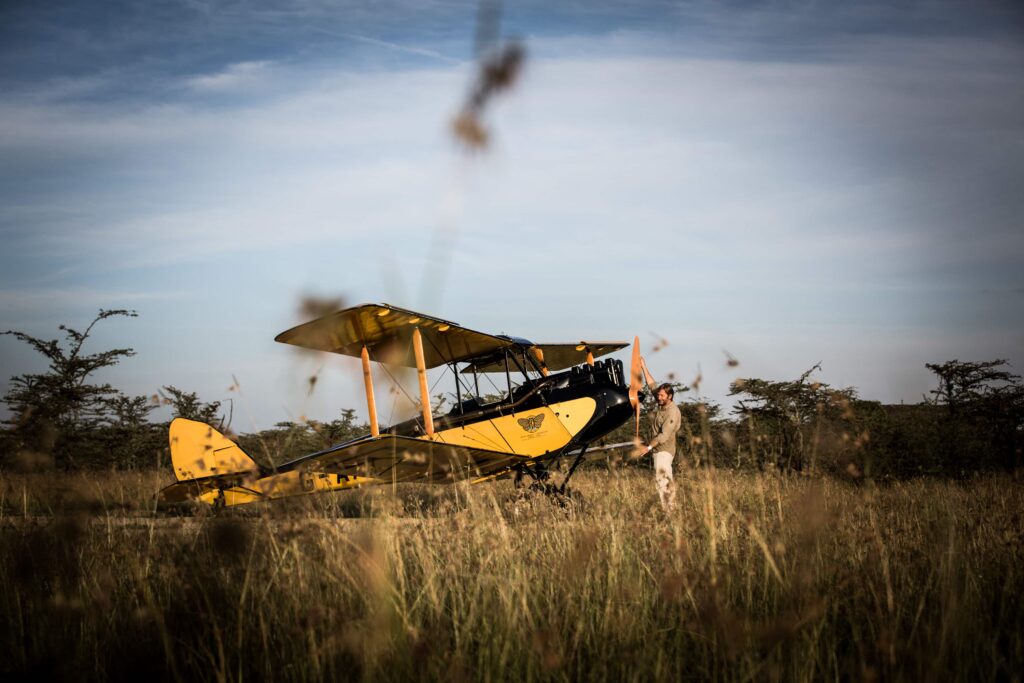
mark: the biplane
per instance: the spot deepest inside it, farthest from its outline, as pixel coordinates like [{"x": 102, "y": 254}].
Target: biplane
[{"x": 557, "y": 400}]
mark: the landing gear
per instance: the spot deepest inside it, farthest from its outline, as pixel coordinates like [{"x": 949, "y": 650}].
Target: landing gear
[
  {"x": 219, "y": 503},
  {"x": 536, "y": 478},
  {"x": 568, "y": 499}
]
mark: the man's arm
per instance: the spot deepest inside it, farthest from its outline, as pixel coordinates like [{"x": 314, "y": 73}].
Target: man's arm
[{"x": 647, "y": 375}]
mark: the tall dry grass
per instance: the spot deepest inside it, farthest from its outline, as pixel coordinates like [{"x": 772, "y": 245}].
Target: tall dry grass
[{"x": 755, "y": 577}]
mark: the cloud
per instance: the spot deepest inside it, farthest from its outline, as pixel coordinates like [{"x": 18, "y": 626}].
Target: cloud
[
  {"x": 766, "y": 202},
  {"x": 822, "y": 170},
  {"x": 418, "y": 51},
  {"x": 234, "y": 77},
  {"x": 18, "y": 301}
]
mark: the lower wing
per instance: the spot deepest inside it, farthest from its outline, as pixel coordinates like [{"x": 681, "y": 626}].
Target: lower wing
[{"x": 390, "y": 458}]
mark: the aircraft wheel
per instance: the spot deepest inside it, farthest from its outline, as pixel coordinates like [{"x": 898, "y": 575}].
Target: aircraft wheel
[
  {"x": 219, "y": 503},
  {"x": 570, "y": 500},
  {"x": 527, "y": 497},
  {"x": 519, "y": 482}
]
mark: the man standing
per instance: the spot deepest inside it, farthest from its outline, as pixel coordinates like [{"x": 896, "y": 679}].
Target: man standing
[{"x": 665, "y": 421}]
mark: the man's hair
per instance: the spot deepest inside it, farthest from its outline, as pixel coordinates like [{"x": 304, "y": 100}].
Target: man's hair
[{"x": 668, "y": 389}]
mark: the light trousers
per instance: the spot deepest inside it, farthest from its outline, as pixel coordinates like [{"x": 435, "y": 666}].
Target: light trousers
[{"x": 663, "y": 480}]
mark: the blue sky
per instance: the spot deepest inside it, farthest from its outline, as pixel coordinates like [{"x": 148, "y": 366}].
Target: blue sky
[{"x": 789, "y": 181}]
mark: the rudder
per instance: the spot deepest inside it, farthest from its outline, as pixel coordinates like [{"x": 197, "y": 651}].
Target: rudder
[{"x": 199, "y": 451}]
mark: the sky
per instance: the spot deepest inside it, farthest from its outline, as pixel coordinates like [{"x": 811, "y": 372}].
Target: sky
[{"x": 785, "y": 182}]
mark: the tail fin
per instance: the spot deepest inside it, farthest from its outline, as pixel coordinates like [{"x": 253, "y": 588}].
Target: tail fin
[{"x": 198, "y": 451}]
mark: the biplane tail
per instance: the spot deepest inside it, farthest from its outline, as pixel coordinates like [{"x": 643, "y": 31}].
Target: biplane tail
[{"x": 199, "y": 451}]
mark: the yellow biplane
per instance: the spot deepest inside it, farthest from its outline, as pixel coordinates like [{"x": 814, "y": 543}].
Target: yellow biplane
[{"x": 561, "y": 401}]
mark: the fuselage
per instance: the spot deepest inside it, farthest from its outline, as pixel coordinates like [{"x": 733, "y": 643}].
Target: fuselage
[{"x": 542, "y": 417}]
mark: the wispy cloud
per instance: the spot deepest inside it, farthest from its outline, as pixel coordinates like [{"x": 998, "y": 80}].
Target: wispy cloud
[
  {"x": 670, "y": 143},
  {"x": 34, "y": 298},
  {"x": 14, "y": 302},
  {"x": 234, "y": 77},
  {"x": 398, "y": 47}
]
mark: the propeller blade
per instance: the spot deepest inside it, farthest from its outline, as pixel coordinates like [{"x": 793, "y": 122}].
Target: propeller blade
[
  {"x": 635, "y": 381},
  {"x": 634, "y": 374}
]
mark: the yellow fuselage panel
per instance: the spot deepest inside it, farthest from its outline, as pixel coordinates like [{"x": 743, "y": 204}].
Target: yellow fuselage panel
[
  {"x": 529, "y": 433},
  {"x": 575, "y": 414}
]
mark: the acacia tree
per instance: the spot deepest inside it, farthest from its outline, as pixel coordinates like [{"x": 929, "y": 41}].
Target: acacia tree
[
  {"x": 128, "y": 434},
  {"x": 54, "y": 412},
  {"x": 777, "y": 415},
  {"x": 187, "y": 404},
  {"x": 288, "y": 440},
  {"x": 965, "y": 385},
  {"x": 985, "y": 404},
  {"x": 698, "y": 428},
  {"x": 340, "y": 429}
]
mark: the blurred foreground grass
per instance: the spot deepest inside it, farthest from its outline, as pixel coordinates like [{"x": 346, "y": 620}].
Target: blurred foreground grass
[{"x": 755, "y": 577}]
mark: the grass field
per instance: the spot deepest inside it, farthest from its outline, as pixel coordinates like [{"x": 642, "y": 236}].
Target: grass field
[{"x": 755, "y": 577}]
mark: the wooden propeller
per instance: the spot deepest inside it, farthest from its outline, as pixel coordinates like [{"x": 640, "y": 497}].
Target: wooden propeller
[{"x": 635, "y": 382}]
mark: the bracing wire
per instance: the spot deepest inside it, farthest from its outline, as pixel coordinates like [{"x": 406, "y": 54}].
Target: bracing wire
[{"x": 398, "y": 384}]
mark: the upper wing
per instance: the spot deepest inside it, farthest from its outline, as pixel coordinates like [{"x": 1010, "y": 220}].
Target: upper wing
[
  {"x": 556, "y": 356},
  {"x": 390, "y": 458},
  {"x": 386, "y": 332}
]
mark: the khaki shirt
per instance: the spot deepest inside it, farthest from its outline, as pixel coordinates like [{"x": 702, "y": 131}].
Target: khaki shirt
[{"x": 664, "y": 425}]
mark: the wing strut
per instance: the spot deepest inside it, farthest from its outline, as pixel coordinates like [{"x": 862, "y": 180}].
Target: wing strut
[
  {"x": 538, "y": 353},
  {"x": 371, "y": 405},
  {"x": 421, "y": 370}
]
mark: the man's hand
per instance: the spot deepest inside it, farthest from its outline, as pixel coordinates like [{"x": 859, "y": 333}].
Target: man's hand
[
  {"x": 647, "y": 373},
  {"x": 640, "y": 450}
]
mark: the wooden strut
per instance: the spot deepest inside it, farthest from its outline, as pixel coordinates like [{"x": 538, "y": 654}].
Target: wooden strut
[
  {"x": 421, "y": 370},
  {"x": 539, "y": 355},
  {"x": 371, "y": 404}
]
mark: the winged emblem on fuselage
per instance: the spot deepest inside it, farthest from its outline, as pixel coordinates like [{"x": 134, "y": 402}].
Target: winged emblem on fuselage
[{"x": 531, "y": 424}]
